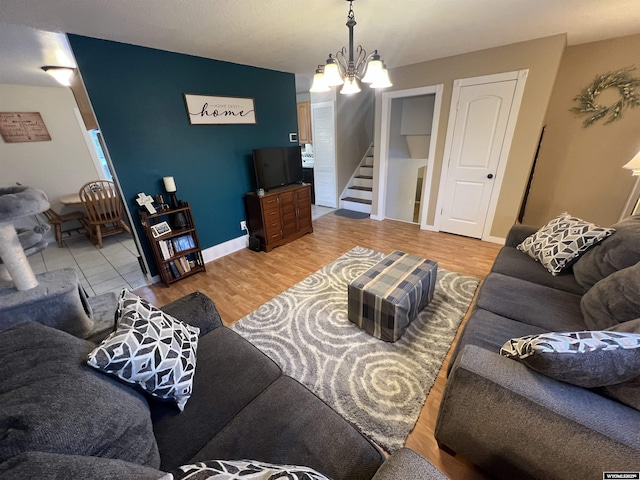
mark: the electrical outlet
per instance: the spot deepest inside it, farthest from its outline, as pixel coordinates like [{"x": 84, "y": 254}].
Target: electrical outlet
[{"x": 243, "y": 225}]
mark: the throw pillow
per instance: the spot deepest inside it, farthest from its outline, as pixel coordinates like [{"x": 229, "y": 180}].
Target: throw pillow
[
  {"x": 614, "y": 253},
  {"x": 149, "y": 349},
  {"x": 234, "y": 469},
  {"x": 614, "y": 299},
  {"x": 587, "y": 359},
  {"x": 52, "y": 402},
  {"x": 561, "y": 241}
]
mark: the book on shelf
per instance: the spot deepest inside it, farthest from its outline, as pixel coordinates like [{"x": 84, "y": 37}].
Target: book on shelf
[
  {"x": 164, "y": 250},
  {"x": 179, "y": 266},
  {"x": 184, "y": 263},
  {"x": 174, "y": 269}
]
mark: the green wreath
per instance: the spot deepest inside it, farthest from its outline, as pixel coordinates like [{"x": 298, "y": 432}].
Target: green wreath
[{"x": 623, "y": 81}]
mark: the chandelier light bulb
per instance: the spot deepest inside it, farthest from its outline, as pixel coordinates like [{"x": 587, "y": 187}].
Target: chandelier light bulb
[
  {"x": 350, "y": 86},
  {"x": 319, "y": 82},
  {"x": 374, "y": 70},
  {"x": 332, "y": 73},
  {"x": 383, "y": 80}
]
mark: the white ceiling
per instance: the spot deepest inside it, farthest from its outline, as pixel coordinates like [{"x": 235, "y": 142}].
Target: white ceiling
[{"x": 296, "y": 35}]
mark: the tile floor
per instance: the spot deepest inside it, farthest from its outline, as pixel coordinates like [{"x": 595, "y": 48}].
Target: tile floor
[
  {"x": 318, "y": 211},
  {"x": 111, "y": 268}
]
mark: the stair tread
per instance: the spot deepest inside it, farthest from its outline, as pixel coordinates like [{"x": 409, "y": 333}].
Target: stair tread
[
  {"x": 368, "y": 177},
  {"x": 364, "y": 189},
  {"x": 357, "y": 200}
]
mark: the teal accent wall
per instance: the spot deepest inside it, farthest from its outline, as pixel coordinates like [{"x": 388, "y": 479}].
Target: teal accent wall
[{"x": 137, "y": 96}]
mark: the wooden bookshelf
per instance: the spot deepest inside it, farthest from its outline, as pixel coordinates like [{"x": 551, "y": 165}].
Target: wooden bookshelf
[{"x": 177, "y": 252}]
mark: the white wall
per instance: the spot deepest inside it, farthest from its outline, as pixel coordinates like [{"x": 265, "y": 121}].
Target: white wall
[
  {"x": 410, "y": 119},
  {"x": 60, "y": 166}
]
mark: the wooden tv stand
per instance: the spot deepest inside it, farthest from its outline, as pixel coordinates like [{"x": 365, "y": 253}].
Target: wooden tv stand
[{"x": 280, "y": 216}]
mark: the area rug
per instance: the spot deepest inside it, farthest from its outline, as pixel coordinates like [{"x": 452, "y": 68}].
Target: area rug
[
  {"x": 343, "y": 212},
  {"x": 380, "y": 387}
]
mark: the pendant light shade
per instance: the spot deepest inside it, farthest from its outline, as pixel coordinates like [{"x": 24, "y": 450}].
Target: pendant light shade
[
  {"x": 319, "y": 82},
  {"x": 350, "y": 86},
  {"x": 373, "y": 71},
  {"x": 383, "y": 80},
  {"x": 332, "y": 74}
]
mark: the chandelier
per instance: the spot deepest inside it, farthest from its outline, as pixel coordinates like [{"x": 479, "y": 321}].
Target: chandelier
[{"x": 349, "y": 71}]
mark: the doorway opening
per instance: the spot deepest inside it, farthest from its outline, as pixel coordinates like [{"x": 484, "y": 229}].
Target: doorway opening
[{"x": 407, "y": 148}]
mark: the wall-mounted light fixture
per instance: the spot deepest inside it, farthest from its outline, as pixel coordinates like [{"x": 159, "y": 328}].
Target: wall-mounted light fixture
[{"x": 62, "y": 74}]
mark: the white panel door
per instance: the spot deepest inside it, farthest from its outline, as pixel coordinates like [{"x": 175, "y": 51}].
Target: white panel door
[
  {"x": 323, "y": 123},
  {"x": 479, "y": 134}
]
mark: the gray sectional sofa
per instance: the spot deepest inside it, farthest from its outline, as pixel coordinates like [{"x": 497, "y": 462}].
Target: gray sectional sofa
[
  {"x": 59, "y": 418},
  {"x": 518, "y": 422}
]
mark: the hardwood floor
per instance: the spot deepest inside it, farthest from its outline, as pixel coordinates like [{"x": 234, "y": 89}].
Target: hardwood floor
[{"x": 241, "y": 282}]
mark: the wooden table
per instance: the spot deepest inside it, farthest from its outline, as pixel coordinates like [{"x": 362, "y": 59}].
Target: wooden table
[{"x": 71, "y": 200}]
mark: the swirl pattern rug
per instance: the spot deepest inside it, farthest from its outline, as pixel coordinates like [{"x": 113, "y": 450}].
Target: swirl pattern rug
[{"x": 380, "y": 387}]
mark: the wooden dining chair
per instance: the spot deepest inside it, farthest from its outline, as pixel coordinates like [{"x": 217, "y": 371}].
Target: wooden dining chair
[
  {"x": 56, "y": 221},
  {"x": 105, "y": 210}
]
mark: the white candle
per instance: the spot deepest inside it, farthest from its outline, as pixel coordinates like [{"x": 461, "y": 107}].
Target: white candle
[{"x": 169, "y": 184}]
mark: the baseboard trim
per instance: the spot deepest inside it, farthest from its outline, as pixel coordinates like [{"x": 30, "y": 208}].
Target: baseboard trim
[
  {"x": 494, "y": 240},
  {"x": 376, "y": 217},
  {"x": 217, "y": 251}
]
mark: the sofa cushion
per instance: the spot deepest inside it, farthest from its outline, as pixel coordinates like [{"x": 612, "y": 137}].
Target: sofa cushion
[
  {"x": 562, "y": 240},
  {"x": 45, "y": 465},
  {"x": 197, "y": 310},
  {"x": 614, "y": 253},
  {"x": 231, "y": 373},
  {"x": 151, "y": 350},
  {"x": 289, "y": 425},
  {"x": 51, "y": 401},
  {"x": 614, "y": 299},
  {"x": 514, "y": 263},
  {"x": 232, "y": 469},
  {"x": 587, "y": 359},
  {"x": 537, "y": 305},
  {"x": 626, "y": 392},
  {"x": 489, "y": 331}
]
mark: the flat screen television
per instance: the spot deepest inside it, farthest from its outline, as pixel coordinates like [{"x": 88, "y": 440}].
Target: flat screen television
[{"x": 277, "y": 166}]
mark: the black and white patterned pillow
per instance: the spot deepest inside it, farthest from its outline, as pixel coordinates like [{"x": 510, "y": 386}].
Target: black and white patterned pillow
[
  {"x": 249, "y": 469},
  {"x": 587, "y": 359},
  {"x": 562, "y": 240},
  {"x": 149, "y": 349}
]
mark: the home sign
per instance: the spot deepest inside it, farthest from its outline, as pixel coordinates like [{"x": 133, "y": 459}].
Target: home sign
[{"x": 209, "y": 110}]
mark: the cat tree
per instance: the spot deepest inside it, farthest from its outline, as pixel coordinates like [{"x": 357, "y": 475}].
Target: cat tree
[{"x": 15, "y": 203}]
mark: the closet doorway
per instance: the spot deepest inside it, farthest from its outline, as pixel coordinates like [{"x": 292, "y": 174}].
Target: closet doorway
[{"x": 407, "y": 147}]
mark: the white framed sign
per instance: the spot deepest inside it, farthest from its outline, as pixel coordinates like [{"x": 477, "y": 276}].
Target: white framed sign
[{"x": 210, "y": 110}]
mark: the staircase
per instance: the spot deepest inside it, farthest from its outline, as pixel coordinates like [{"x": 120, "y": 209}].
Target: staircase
[{"x": 359, "y": 192}]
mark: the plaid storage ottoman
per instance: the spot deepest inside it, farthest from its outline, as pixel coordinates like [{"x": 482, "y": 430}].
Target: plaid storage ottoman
[{"x": 385, "y": 299}]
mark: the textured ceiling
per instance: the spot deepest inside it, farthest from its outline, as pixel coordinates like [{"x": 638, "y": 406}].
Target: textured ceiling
[{"x": 296, "y": 35}]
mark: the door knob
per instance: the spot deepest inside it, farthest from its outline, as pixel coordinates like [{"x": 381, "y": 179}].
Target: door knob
[{"x": 490, "y": 176}]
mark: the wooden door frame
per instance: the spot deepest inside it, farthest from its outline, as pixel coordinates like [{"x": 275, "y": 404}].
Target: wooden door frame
[
  {"x": 521, "y": 77},
  {"x": 385, "y": 132}
]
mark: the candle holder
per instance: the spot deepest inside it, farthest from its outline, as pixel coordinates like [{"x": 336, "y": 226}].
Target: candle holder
[{"x": 177, "y": 220}]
